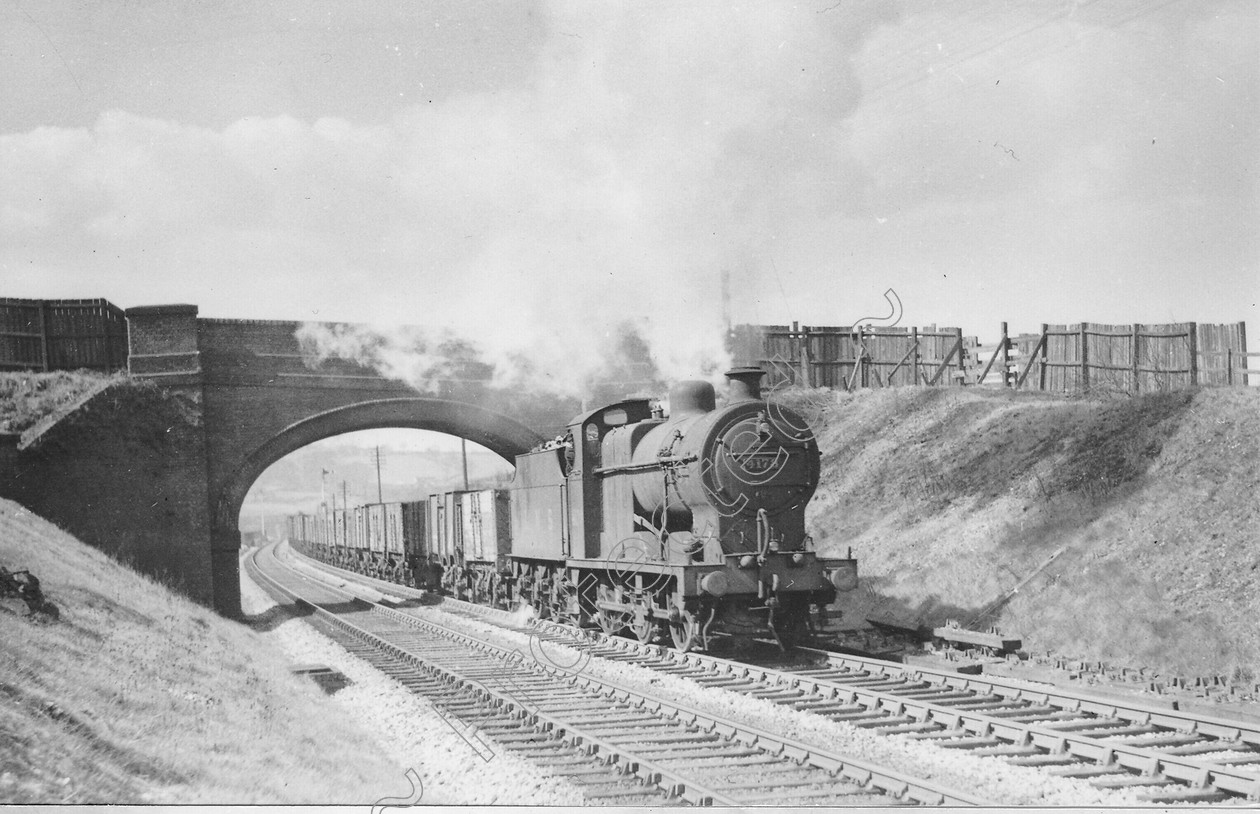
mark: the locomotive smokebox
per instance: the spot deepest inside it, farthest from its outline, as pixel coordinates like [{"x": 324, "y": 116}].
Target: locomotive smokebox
[
  {"x": 744, "y": 383},
  {"x": 691, "y": 398}
]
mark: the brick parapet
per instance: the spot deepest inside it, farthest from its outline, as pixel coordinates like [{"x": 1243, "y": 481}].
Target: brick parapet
[{"x": 162, "y": 340}]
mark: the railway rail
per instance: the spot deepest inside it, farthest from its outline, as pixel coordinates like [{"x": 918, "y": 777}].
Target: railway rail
[
  {"x": 619, "y": 744},
  {"x": 1171, "y": 756}
]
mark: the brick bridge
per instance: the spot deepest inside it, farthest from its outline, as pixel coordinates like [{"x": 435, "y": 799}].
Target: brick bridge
[{"x": 259, "y": 400}]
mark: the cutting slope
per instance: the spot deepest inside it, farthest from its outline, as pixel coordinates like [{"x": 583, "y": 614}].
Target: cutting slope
[
  {"x": 1128, "y": 525},
  {"x": 139, "y": 695}
]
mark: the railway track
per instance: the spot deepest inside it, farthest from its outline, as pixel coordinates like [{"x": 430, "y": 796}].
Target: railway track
[
  {"x": 618, "y": 744},
  {"x": 1166, "y": 755}
]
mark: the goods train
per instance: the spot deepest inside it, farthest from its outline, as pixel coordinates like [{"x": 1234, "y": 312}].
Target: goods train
[{"x": 679, "y": 526}]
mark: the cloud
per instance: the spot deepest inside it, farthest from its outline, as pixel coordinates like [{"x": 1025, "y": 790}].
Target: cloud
[{"x": 821, "y": 153}]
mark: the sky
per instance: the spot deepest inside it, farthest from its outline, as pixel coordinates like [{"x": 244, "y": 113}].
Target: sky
[{"x": 532, "y": 175}]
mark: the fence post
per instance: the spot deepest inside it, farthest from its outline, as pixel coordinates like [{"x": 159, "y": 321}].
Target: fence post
[
  {"x": 914, "y": 337},
  {"x": 865, "y": 356},
  {"x": 1006, "y": 357},
  {"x": 1133, "y": 354},
  {"x": 1084, "y": 358},
  {"x": 1229, "y": 366},
  {"x": 802, "y": 354},
  {"x": 1045, "y": 342},
  {"x": 1242, "y": 351},
  {"x": 106, "y": 337},
  {"x": 1193, "y": 336},
  {"x": 807, "y": 359},
  {"x": 43, "y": 332},
  {"x": 958, "y": 339},
  {"x": 795, "y": 344}
]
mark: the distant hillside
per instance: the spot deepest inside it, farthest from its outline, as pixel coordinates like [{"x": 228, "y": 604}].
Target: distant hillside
[{"x": 952, "y": 497}]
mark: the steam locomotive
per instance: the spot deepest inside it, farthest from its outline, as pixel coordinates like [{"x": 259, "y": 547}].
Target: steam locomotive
[{"x": 678, "y": 526}]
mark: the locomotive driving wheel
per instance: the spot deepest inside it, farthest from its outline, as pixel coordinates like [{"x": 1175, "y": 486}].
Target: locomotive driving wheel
[
  {"x": 558, "y": 599},
  {"x": 685, "y": 632},
  {"x": 641, "y": 622},
  {"x": 610, "y": 621}
]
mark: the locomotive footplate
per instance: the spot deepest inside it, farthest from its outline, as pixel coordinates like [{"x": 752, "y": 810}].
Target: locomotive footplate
[{"x": 623, "y": 572}]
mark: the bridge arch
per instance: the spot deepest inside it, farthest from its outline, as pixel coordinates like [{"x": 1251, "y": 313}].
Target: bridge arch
[
  {"x": 257, "y": 393},
  {"x": 494, "y": 431}
]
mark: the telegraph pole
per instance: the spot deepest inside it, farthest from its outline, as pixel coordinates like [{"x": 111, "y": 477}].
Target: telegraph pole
[
  {"x": 379, "y": 494},
  {"x": 463, "y": 451}
]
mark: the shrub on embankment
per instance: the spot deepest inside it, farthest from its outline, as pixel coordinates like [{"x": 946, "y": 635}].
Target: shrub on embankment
[
  {"x": 1129, "y": 525},
  {"x": 27, "y": 398},
  {"x": 137, "y": 695}
]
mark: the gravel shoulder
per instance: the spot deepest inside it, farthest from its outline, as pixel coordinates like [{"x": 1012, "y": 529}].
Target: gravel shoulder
[{"x": 408, "y": 728}]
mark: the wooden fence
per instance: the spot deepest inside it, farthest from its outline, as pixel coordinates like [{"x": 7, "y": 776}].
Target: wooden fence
[
  {"x": 1085, "y": 357},
  {"x": 62, "y": 335},
  {"x": 843, "y": 358}
]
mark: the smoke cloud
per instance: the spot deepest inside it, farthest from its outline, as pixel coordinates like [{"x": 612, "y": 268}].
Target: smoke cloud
[{"x": 620, "y": 362}]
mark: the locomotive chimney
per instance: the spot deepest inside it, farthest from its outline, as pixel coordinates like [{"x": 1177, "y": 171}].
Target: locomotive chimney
[
  {"x": 744, "y": 384},
  {"x": 690, "y": 397}
]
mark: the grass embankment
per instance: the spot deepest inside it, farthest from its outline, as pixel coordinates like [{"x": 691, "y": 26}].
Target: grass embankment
[
  {"x": 27, "y": 398},
  {"x": 953, "y": 497},
  {"x": 138, "y": 695}
]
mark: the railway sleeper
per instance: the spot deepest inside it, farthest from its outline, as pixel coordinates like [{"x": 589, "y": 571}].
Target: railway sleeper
[
  {"x": 759, "y": 778},
  {"x": 726, "y": 682},
  {"x": 1089, "y": 770},
  {"x": 906, "y": 729},
  {"x": 1240, "y": 760},
  {"x": 787, "y": 799},
  {"x": 578, "y": 771},
  {"x": 656, "y": 743},
  {"x": 879, "y": 685},
  {"x": 498, "y": 731},
  {"x": 572, "y": 760},
  {"x": 1119, "y": 732},
  {"x": 548, "y": 705},
  {"x": 944, "y": 733},
  {"x": 985, "y": 705},
  {"x": 631, "y": 718},
  {"x": 529, "y": 750},
  {"x": 830, "y": 674},
  {"x": 776, "y": 785},
  {"x": 969, "y": 743},
  {"x": 1209, "y": 794},
  {"x": 777, "y": 694},
  {"x": 641, "y": 731},
  {"x": 1130, "y": 780},
  {"x": 1061, "y": 759},
  {"x": 858, "y": 717},
  {"x": 913, "y": 689},
  {"x": 741, "y": 757},
  {"x": 886, "y": 721},
  {"x": 1041, "y": 719},
  {"x": 1175, "y": 743},
  {"x": 938, "y": 696},
  {"x": 1007, "y": 751},
  {"x": 627, "y": 797},
  {"x": 1022, "y": 711},
  {"x": 1078, "y": 727},
  {"x": 825, "y": 707}
]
